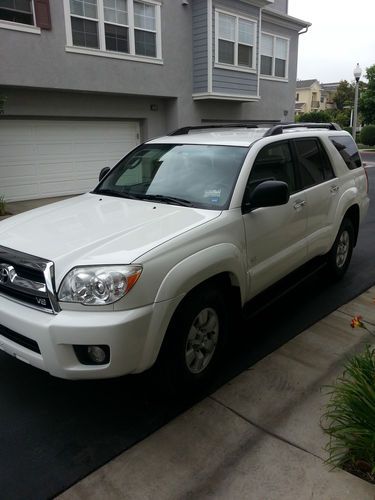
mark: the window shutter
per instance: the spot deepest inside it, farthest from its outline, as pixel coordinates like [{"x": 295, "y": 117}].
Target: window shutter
[{"x": 42, "y": 14}]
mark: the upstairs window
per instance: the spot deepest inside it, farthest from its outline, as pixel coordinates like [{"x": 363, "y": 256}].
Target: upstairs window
[
  {"x": 274, "y": 56},
  {"x": 123, "y": 26},
  {"x": 235, "y": 41},
  {"x": 18, "y": 11}
]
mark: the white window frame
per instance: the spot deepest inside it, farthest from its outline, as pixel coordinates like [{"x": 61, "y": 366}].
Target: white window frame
[
  {"x": 101, "y": 51},
  {"x": 273, "y": 77},
  {"x": 235, "y": 66},
  {"x": 26, "y": 28}
]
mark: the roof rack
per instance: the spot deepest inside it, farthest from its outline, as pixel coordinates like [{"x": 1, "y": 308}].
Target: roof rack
[
  {"x": 186, "y": 130},
  {"x": 278, "y": 129}
]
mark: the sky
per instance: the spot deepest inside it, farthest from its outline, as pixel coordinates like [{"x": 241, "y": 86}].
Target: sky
[{"x": 342, "y": 34}]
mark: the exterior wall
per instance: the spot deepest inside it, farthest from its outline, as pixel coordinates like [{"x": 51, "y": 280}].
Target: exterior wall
[
  {"x": 48, "y": 65},
  {"x": 31, "y": 103},
  {"x": 89, "y": 86},
  {"x": 200, "y": 52},
  {"x": 278, "y": 97}
]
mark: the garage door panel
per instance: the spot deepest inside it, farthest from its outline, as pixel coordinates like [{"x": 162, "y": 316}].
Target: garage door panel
[
  {"x": 40, "y": 158},
  {"x": 66, "y": 187}
]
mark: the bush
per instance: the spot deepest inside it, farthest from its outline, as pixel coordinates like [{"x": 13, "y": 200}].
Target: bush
[
  {"x": 368, "y": 135},
  {"x": 2, "y": 206},
  {"x": 315, "y": 117},
  {"x": 350, "y": 417}
]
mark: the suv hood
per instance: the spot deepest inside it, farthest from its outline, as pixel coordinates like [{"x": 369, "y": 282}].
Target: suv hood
[{"x": 93, "y": 229}]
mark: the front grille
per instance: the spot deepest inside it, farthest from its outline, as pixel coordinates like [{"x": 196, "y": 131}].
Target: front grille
[
  {"x": 17, "y": 338},
  {"x": 41, "y": 302},
  {"x": 27, "y": 279}
]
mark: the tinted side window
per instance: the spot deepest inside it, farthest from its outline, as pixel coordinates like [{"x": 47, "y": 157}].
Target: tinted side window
[
  {"x": 274, "y": 162},
  {"x": 348, "y": 150},
  {"x": 313, "y": 163}
]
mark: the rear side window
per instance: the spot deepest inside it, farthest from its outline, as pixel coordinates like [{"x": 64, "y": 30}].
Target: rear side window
[
  {"x": 314, "y": 166},
  {"x": 347, "y": 148}
]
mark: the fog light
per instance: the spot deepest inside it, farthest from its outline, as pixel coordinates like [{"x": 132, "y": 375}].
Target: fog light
[
  {"x": 96, "y": 353},
  {"x": 92, "y": 354}
]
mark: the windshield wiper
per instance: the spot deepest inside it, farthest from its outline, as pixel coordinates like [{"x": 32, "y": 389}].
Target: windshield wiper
[
  {"x": 118, "y": 194},
  {"x": 173, "y": 200}
]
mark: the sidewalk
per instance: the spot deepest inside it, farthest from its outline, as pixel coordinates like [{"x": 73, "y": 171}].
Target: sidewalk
[{"x": 258, "y": 437}]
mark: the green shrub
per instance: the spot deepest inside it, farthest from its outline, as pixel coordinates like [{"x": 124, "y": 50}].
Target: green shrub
[
  {"x": 350, "y": 417},
  {"x": 315, "y": 117},
  {"x": 368, "y": 135},
  {"x": 2, "y": 205}
]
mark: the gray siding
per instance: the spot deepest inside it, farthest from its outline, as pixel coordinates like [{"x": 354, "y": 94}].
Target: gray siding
[
  {"x": 228, "y": 81},
  {"x": 234, "y": 82},
  {"x": 280, "y": 6},
  {"x": 200, "y": 62}
]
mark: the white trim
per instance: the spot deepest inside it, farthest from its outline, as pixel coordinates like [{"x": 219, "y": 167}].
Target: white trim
[
  {"x": 224, "y": 97},
  {"x": 130, "y": 6},
  {"x": 26, "y": 28},
  {"x": 230, "y": 67},
  {"x": 259, "y": 47},
  {"x": 209, "y": 45},
  {"x": 68, "y": 30},
  {"x": 113, "y": 55},
  {"x": 101, "y": 51},
  {"x": 273, "y": 77},
  {"x": 236, "y": 43}
]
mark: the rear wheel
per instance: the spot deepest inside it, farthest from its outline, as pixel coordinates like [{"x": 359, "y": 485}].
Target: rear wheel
[{"x": 341, "y": 252}]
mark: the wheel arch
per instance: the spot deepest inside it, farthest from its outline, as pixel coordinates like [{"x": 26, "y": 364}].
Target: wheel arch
[{"x": 353, "y": 215}]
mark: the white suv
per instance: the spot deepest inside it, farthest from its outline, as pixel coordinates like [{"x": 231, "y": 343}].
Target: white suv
[{"x": 148, "y": 266}]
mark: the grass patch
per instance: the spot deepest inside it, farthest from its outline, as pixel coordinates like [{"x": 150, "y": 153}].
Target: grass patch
[{"x": 349, "y": 420}]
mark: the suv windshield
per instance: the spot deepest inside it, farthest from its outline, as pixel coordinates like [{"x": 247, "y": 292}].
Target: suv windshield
[{"x": 201, "y": 176}]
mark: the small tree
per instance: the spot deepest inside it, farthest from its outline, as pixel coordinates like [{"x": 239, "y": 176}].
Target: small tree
[
  {"x": 367, "y": 97},
  {"x": 344, "y": 95}
]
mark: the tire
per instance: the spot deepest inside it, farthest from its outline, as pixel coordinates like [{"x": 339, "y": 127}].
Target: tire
[
  {"x": 341, "y": 252},
  {"x": 194, "y": 342}
]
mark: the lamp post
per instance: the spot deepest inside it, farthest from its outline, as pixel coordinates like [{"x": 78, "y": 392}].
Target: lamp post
[{"x": 357, "y": 75}]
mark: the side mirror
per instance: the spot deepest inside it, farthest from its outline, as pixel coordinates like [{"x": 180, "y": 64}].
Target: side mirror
[
  {"x": 104, "y": 171},
  {"x": 266, "y": 194}
]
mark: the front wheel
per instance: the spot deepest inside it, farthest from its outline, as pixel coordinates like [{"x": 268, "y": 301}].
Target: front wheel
[
  {"x": 341, "y": 252},
  {"x": 195, "y": 339}
]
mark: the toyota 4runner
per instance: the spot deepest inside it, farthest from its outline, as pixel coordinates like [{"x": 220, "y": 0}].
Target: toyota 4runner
[{"x": 143, "y": 268}]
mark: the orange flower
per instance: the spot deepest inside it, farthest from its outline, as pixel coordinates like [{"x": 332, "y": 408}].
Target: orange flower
[{"x": 357, "y": 322}]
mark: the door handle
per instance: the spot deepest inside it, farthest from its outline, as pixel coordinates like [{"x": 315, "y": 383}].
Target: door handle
[
  {"x": 299, "y": 204},
  {"x": 334, "y": 189}
]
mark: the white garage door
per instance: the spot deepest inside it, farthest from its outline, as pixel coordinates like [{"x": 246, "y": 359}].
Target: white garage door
[{"x": 42, "y": 158}]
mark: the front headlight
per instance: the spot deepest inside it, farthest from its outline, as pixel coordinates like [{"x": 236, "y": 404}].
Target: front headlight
[{"x": 98, "y": 285}]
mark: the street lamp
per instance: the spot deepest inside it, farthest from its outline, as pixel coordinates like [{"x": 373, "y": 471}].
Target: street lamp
[{"x": 357, "y": 75}]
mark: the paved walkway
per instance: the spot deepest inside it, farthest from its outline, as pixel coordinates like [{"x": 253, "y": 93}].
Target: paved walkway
[{"x": 258, "y": 437}]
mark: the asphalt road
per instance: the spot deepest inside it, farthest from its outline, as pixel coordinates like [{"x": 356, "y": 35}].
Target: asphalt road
[{"x": 55, "y": 432}]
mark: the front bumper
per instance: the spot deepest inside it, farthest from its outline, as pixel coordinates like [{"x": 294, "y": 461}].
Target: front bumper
[{"x": 133, "y": 336}]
